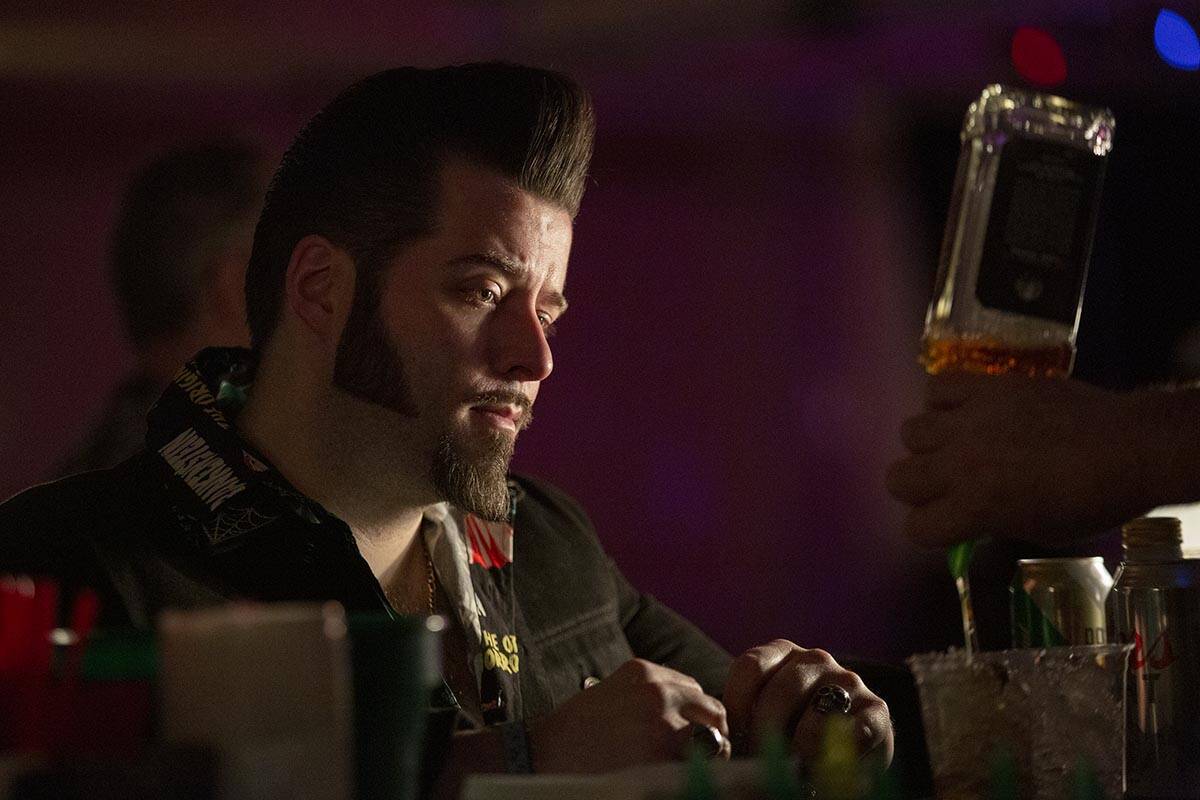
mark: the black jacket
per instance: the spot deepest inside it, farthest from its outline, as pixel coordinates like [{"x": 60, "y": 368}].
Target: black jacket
[
  {"x": 215, "y": 522},
  {"x": 199, "y": 518}
]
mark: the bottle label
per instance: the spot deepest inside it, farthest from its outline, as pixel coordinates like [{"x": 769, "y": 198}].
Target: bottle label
[{"x": 1040, "y": 228}]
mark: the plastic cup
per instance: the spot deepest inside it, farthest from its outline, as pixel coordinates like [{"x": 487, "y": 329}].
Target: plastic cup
[{"x": 1029, "y": 723}]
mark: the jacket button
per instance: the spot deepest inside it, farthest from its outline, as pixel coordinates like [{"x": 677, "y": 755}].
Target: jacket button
[{"x": 590, "y": 681}]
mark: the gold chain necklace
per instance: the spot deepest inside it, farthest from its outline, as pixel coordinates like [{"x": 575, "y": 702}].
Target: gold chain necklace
[{"x": 430, "y": 581}]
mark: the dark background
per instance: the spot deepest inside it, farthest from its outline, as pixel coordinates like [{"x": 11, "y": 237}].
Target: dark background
[{"x": 751, "y": 265}]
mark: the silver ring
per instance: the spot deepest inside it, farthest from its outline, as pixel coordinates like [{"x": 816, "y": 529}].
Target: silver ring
[
  {"x": 711, "y": 742},
  {"x": 832, "y": 697}
]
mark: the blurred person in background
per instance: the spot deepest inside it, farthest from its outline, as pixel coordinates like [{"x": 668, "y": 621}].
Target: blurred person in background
[
  {"x": 178, "y": 263},
  {"x": 1043, "y": 460}
]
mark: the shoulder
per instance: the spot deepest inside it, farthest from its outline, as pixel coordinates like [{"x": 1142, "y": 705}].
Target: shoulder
[
  {"x": 553, "y": 536},
  {"x": 54, "y": 500},
  {"x": 544, "y": 502},
  {"x": 48, "y": 527}
]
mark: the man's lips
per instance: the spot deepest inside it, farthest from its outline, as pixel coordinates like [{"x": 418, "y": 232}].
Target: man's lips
[{"x": 503, "y": 416}]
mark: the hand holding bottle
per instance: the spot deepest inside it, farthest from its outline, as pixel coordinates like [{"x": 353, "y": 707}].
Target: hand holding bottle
[{"x": 1039, "y": 459}]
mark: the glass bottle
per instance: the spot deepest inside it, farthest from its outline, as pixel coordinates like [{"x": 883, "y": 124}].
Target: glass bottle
[{"x": 1018, "y": 236}]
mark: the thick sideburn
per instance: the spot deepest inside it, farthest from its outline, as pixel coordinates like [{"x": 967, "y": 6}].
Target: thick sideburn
[{"x": 367, "y": 366}]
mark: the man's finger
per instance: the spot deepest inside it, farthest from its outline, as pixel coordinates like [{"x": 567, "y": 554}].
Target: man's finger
[
  {"x": 783, "y": 699},
  {"x": 871, "y": 728},
  {"x": 701, "y": 709},
  {"x": 916, "y": 479},
  {"x": 748, "y": 673}
]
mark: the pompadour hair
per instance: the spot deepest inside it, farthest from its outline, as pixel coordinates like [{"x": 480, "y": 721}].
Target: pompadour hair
[{"x": 362, "y": 173}]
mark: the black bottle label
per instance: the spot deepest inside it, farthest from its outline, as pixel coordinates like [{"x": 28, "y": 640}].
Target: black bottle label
[{"x": 1039, "y": 233}]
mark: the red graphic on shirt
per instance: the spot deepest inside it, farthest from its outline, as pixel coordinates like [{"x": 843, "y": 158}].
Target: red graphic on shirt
[
  {"x": 1159, "y": 656},
  {"x": 490, "y": 542}
]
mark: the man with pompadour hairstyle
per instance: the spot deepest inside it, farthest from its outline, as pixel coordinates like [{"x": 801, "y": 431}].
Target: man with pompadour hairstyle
[{"x": 407, "y": 274}]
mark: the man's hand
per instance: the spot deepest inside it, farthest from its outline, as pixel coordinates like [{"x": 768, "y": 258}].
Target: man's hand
[
  {"x": 641, "y": 713},
  {"x": 771, "y": 688},
  {"x": 1043, "y": 460}
]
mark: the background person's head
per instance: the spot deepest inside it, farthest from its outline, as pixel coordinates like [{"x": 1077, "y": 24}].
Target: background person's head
[
  {"x": 179, "y": 251},
  {"x": 403, "y": 174}
]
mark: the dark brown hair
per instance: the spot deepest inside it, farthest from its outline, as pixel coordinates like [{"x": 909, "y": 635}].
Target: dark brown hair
[{"x": 362, "y": 173}]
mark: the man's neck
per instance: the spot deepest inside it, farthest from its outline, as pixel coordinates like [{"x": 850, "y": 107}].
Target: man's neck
[{"x": 287, "y": 421}]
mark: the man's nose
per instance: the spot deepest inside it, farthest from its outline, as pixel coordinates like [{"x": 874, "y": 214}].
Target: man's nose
[{"x": 520, "y": 351}]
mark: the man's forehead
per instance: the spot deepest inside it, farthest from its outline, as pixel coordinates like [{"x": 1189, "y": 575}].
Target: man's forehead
[{"x": 486, "y": 217}]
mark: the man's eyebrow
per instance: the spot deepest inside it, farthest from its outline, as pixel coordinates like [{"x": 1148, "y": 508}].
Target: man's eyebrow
[{"x": 513, "y": 268}]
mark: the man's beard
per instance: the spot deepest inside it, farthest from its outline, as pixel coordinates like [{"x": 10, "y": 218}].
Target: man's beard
[
  {"x": 470, "y": 474},
  {"x": 475, "y": 482}
]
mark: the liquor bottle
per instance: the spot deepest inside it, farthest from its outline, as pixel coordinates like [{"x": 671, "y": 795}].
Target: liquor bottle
[
  {"x": 1015, "y": 252},
  {"x": 1155, "y": 605},
  {"x": 1018, "y": 236}
]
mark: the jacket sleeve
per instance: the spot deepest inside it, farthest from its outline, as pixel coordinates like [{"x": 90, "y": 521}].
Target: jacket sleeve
[
  {"x": 31, "y": 541},
  {"x": 658, "y": 634},
  {"x": 652, "y": 631},
  {"x": 52, "y": 530}
]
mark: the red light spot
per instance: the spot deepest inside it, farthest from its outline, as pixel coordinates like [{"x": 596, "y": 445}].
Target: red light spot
[{"x": 1038, "y": 57}]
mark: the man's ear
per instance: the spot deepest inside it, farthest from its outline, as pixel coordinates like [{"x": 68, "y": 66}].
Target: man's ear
[{"x": 319, "y": 286}]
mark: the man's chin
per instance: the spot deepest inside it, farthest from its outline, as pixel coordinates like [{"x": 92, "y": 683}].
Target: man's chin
[{"x": 471, "y": 473}]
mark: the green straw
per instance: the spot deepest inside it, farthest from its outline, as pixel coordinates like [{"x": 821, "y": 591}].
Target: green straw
[{"x": 959, "y": 560}]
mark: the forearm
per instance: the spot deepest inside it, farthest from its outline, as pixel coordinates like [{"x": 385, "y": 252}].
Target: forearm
[{"x": 658, "y": 634}]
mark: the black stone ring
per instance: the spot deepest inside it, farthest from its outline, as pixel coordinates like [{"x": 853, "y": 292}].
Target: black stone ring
[{"x": 832, "y": 698}]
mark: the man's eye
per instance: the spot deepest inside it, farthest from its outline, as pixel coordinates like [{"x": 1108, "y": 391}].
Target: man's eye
[
  {"x": 484, "y": 296},
  {"x": 548, "y": 326}
]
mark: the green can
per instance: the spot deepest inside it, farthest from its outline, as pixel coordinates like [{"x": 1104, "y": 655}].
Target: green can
[{"x": 1059, "y": 602}]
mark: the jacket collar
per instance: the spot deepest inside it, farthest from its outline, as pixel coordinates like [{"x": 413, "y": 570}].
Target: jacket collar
[{"x": 211, "y": 474}]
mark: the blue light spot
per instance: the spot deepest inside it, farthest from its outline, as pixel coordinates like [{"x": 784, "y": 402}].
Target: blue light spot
[{"x": 1175, "y": 39}]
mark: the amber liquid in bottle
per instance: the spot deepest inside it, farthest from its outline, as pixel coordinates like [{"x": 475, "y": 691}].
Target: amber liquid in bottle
[{"x": 987, "y": 356}]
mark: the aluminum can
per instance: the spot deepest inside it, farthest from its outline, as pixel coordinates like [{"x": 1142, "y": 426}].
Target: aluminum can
[
  {"x": 1060, "y": 602},
  {"x": 1156, "y": 607}
]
